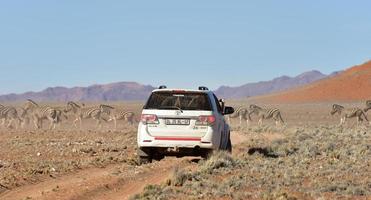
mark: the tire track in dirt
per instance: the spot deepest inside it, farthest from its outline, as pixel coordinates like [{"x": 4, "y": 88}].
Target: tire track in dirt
[
  {"x": 97, "y": 183},
  {"x": 156, "y": 177},
  {"x": 118, "y": 181}
]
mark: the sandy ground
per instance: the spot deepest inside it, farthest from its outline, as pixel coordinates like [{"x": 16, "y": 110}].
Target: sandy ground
[
  {"x": 109, "y": 183},
  {"x": 100, "y": 164}
]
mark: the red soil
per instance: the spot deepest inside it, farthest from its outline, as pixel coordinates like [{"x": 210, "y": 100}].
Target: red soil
[{"x": 354, "y": 84}]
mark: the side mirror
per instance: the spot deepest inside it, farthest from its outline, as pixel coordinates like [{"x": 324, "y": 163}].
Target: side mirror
[
  {"x": 222, "y": 103},
  {"x": 228, "y": 110}
]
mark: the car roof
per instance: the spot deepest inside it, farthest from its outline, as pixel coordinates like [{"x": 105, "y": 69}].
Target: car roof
[{"x": 183, "y": 90}]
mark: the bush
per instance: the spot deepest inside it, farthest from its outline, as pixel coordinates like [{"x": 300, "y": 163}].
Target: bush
[
  {"x": 220, "y": 159},
  {"x": 149, "y": 192},
  {"x": 179, "y": 177}
]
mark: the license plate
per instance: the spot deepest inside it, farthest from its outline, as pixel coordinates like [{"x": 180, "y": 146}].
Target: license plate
[{"x": 177, "y": 121}]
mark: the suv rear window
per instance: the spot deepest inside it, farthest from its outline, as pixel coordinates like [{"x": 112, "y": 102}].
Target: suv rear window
[{"x": 172, "y": 100}]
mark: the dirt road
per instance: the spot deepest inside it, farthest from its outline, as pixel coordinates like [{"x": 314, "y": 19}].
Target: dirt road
[{"x": 109, "y": 183}]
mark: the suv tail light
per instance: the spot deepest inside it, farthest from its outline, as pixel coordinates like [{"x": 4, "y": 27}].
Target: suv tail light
[
  {"x": 149, "y": 119},
  {"x": 205, "y": 120}
]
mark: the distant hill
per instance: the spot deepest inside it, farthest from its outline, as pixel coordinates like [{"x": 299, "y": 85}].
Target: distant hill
[
  {"x": 267, "y": 87},
  {"x": 353, "y": 84},
  {"x": 108, "y": 92},
  {"x": 130, "y": 91}
]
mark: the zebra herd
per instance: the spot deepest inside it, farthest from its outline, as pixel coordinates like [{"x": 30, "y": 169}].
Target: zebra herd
[
  {"x": 355, "y": 112},
  {"x": 244, "y": 113},
  {"x": 31, "y": 111}
]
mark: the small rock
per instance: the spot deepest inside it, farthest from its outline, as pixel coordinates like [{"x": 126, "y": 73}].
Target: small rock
[{"x": 99, "y": 142}]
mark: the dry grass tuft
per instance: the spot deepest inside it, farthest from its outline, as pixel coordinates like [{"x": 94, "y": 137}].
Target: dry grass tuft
[{"x": 220, "y": 159}]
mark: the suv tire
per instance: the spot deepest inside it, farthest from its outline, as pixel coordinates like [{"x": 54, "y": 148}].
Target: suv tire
[
  {"x": 144, "y": 160},
  {"x": 229, "y": 146},
  {"x": 158, "y": 157},
  {"x": 207, "y": 153},
  {"x": 144, "y": 156}
]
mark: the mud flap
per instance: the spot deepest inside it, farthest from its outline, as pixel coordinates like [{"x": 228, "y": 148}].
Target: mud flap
[
  {"x": 143, "y": 152},
  {"x": 144, "y": 156}
]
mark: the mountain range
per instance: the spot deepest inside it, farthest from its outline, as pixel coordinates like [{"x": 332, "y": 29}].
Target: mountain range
[
  {"x": 266, "y": 87},
  {"x": 132, "y": 91},
  {"x": 353, "y": 84},
  {"x": 128, "y": 91}
]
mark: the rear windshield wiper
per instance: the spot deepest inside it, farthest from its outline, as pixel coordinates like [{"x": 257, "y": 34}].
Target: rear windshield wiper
[{"x": 176, "y": 107}]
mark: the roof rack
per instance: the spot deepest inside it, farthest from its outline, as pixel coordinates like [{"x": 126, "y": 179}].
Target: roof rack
[
  {"x": 162, "y": 87},
  {"x": 203, "y": 88}
]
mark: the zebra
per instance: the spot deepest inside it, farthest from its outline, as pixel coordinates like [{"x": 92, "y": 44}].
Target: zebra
[
  {"x": 39, "y": 113},
  {"x": 60, "y": 115},
  {"x": 368, "y": 105},
  {"x": 25, "y": 116},
  {"x": 121, "y": 114},
  {"x": 82, "y": 112},
  {"x": 269, "y": 113},
  {"x": 242, "y": 113},
  {"x": 9, "y": 113},
  {"x": 348, "y": 113},
  {"x": 3, "y": 119}
]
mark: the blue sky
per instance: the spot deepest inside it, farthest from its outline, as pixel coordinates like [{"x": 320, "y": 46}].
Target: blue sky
[{"x": 178, "y": 43}]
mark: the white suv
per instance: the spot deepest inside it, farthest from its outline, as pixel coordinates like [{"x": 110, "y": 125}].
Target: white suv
[{"x": 177, "y": 122}]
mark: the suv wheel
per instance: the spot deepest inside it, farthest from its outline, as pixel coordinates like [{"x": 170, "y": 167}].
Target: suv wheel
[
  {"x": 229, "y": 146},
  {"x": 144, "y": 160},
  {"x": 206, "y": 153},
  {"x": 158, "y": 157},
  {"x": 144, "y": 156}
]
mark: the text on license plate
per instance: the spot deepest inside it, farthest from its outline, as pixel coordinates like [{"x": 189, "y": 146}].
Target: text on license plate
[{"x": 177, "y": 121}]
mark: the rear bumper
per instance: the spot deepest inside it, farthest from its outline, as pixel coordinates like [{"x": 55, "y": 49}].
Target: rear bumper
[
  {"x": 146, "y": 140},
  {"x": 179, "y": 152},
  {"x": 176, "y": 143}
]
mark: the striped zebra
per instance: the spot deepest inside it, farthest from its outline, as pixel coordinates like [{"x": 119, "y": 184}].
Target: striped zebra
[
  {"x": 368, "y": 105},
  {"x": 25, "y": 116},
  {"x": 348, "y": 113},
  {"x": 121, "y": 114},
  {"x": 3, "y": 119},
  {"x": 82, "y": 112},
  {"x": 61, "y": 115},
  {"x": 9, "y": 113},
  {"x": 242, "y": 113},
  {"x": 39, "y": 113},
  {"x": 269, "y": 113}
]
